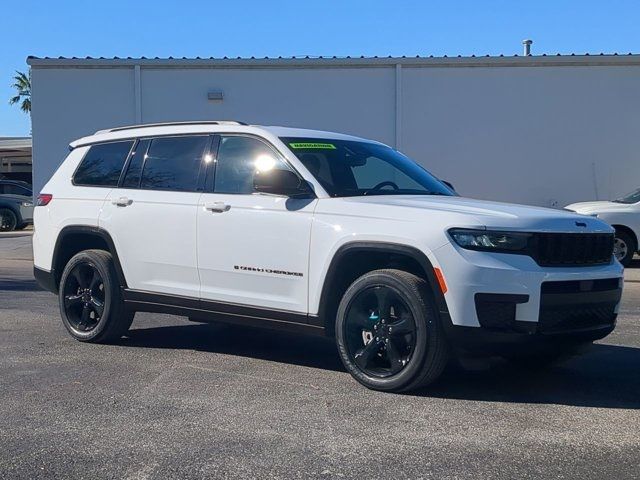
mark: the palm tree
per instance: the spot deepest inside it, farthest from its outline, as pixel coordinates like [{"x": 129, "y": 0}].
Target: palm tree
[{"x": 22, "y": 84}]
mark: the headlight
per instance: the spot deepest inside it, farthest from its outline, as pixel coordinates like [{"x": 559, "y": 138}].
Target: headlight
[
  {"x": 27, "y": 204},
  {"x": 491, "y": 241}
]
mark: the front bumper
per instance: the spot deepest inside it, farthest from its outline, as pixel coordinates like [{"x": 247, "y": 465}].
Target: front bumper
[
  {"x": 500, "y": 301},
  {"x": 480, "y": 341}
]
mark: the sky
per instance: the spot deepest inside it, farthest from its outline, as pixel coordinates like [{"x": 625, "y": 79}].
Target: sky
[{"x": 248, "y": 28}]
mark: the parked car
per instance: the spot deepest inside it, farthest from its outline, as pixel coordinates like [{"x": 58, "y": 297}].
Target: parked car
[
  {"x": 624, "y": 215},
  {"x": 16, "y": 205},
  {"x": 316, "y": 232}
]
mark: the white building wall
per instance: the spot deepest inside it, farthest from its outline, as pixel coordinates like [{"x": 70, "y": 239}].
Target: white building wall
[
  {"x": 357, "y": 101},
  {"x": 527, "y": 130},
  {"x": 70, "y": 103},
  {"x": 541, "y": 135}
]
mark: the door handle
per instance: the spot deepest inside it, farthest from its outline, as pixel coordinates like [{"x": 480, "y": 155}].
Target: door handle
[
  {"x": 122, "y": 202},
  {"x": 218, "y": 207}
]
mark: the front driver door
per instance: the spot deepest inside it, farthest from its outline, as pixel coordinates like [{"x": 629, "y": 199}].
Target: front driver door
[{"x": 253, "y": 249}]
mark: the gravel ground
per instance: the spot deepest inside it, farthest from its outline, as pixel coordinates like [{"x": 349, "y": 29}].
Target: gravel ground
[{"x": 183, "y": 400}]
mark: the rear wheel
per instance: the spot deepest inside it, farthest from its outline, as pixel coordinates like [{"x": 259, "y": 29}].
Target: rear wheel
[
  {"x": 8, "y": 220},
  {"x": 388, "y": 333},
  {"x": 624, "y": 247},
  {"x": 91, "y": 303}
]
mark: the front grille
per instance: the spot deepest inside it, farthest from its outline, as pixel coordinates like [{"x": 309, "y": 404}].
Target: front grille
[
  {"x": 572, "y": 249},
  {"x": 578, "y": 305}
]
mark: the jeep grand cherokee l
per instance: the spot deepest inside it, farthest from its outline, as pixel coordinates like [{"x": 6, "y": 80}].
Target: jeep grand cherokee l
[{"x": 316, "y": 232}]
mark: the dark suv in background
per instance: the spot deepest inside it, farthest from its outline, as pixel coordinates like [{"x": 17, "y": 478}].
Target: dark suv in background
[{"x": 16, "y": 205}]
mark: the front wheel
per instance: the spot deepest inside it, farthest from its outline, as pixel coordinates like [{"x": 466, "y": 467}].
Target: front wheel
[
  {"x": 388, "y": 332},
  {"x": 624, "y": 247},
  {"x": 91, "y": 303}
]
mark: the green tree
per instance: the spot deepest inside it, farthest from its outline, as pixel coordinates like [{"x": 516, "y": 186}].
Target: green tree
[{"x": 22, "y": 84}]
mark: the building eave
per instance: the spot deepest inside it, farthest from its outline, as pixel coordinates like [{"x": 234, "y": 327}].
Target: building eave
[{"x": 328, "y": 62}]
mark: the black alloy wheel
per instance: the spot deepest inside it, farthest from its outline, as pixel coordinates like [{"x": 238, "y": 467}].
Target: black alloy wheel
[
  {"x": 84, "y": 297},
  {"x": 388, "y": 331},
  {"x": 380, "y": 331},
  {"x": 90, "y": 298}
]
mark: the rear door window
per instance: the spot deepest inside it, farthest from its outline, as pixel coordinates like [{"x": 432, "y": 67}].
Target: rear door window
[
  {"x": 173, "y": 163},
  {"x": 102, "y": 165}
]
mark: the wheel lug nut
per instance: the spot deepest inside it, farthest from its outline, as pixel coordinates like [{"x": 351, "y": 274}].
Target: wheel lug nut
[{"x": 386, "y": 340}]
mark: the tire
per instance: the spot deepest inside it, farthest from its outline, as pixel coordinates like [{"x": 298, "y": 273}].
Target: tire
[
  {"x": 391, "y": 360},
  {"x": 8, "y": 220},
  {"x": 626, "y": 245},
  {"x": 89, "y": 283}
]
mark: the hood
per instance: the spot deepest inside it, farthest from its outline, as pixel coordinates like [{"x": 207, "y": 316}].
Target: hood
[
  {"x": 491, "y": 215},
  {"x": 590, "y": 208}
]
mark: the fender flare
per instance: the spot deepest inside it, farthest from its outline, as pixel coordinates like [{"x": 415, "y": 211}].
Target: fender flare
[
  {"x": 387, "y": 247},
  {"x": 88, "y": 230}
]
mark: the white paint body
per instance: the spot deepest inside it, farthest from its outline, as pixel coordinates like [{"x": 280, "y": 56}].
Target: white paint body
[{"x": 169, "y": 242}]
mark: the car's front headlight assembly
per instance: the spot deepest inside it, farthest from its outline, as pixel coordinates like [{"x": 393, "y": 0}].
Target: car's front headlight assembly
[{"x": 491, "y": 241}]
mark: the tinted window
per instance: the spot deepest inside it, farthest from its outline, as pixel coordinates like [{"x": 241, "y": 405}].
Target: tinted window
[
  {"x": 11, "y": 189},
  {"x": 238, "y": 159},
  {"x": 132, "y": 177},
  {"x": 173, "y": 163},
  {"x": 102, "y": 164},
  {"x": 348, "y": 168},
  {"x": 633, "y": 197}
]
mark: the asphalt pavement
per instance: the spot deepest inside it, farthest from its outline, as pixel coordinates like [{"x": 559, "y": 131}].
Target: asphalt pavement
[{"x": 176, "y": 399}]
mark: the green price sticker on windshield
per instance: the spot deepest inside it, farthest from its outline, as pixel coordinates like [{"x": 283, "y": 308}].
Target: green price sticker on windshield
[{"x": 311, "y": 145}]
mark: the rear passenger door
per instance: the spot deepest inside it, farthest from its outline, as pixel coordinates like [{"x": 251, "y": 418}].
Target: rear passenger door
[{"x": 152, "y": 214}]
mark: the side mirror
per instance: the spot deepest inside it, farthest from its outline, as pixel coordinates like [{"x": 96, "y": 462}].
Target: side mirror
[
  {"x": 279, "y": 182},
  {"x": 448, "y": 184}
]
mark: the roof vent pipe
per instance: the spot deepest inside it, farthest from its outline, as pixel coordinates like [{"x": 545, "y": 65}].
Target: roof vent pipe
[{"x": 527, "y": 47}]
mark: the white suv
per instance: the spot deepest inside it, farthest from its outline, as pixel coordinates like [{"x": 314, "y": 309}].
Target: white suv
[
  {"x": 623, "y": 214},
  {"x": 316, "y": 232}
]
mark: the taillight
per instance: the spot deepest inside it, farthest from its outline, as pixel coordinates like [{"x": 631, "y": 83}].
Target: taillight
[{"x": 44, "y": 199}]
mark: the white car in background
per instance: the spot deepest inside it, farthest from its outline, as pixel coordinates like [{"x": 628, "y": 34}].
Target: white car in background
[{"x": 622, "y": 214}]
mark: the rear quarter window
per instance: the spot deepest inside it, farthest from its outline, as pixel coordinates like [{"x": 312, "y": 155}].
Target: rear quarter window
[{"x": 102, "y": 164}]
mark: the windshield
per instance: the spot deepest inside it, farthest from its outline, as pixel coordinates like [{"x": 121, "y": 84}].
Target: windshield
[
  {"x": 633, "y": 197},
  {"x": 348, "y": 168}
]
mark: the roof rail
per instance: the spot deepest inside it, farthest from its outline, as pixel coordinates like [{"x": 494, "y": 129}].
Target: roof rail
[{"x": 169, "y": 124}]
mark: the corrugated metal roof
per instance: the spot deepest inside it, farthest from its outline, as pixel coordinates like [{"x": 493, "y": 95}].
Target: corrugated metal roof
[
  {"x": 309, "y": 60},
  {"x": 15, "y": 145}
]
